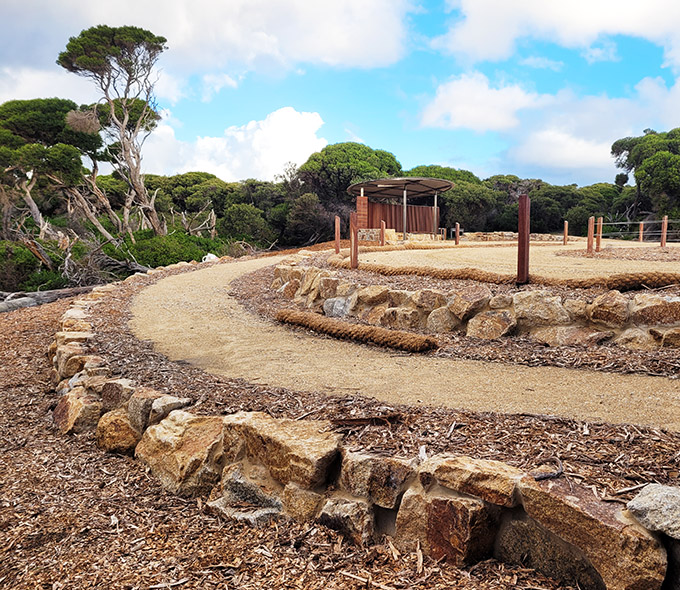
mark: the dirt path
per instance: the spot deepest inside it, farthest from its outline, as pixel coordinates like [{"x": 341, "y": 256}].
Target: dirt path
[{"x": 191, "y": 317}]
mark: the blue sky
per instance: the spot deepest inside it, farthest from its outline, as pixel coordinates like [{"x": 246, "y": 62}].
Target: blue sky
[{"x": 536, "y": 88}]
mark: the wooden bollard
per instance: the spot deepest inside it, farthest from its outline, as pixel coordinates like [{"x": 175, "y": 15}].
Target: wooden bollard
[
  {"x": 591, "y": 235},
  {"x": 565, "y": 239},
  {"x": 641, "y": 232},
  {"x": 382, "y": 233},
  {"x": 337, "y": 234},
  {"x": 353, "y": 241},
  {"x": 524, "y": 232},
  {"x": 664, "y": 230},
  {"x": 598, "y": 241},
  {"x": 457, "y": 233}
]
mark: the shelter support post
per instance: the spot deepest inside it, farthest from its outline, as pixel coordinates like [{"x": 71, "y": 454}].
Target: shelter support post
[
  {"x": 664, "y": 230},
  {"x": 382, "y": 232},
  {"x": 457, "y": 233},
  {"x": 353, "y": 241},
  {"x": 598, "y": 242},
  {"x": 523, "y": 230},
  {"x": 404, "y": 218},
  {"x": 591, "y": 235},
  {"x": 434, "y": 216},
  {"x": 337, "y": 234}
]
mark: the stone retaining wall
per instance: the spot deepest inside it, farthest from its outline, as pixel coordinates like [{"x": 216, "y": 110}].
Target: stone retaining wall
[
  {"x": 257, "y": 468},
  {"x": 642, "y": 321}
]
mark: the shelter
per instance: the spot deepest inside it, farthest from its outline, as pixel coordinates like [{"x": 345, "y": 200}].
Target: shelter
[{"x": 378, "y": 200}]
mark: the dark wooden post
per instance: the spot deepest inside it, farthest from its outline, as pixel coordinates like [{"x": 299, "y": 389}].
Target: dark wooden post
[
  {"x": 565, "y": 239},
  {"x": 641, "y": 232},
  {"x": 598, "y": 241},
  {"x": 664, "y": 230},
  {"x": 591, "y": 234},
  {"x": 442, "y": 231},
  {"x": 524, "y": 230},
  {"x": 353, "y": 241},
  {"x": 382, "y": 232},
  {"x": 457, "y": 233},
  {"x": 337, "y": 234}
]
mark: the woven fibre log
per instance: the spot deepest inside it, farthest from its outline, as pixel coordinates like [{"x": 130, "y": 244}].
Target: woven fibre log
[{"x": 338, "y": 329}]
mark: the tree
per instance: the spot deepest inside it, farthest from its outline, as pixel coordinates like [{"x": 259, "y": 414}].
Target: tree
[
  {"x": 120, "y": 61},
  {"x": 243, "y": 221},
  {"x": 444, "y": 172},
  {"x": 469, "y": 204},
  {"x": 308, "y": 222},
  {"x": 36, "y": 144},
  {"x": 330, "y": 172},
  {"x": 659, "y": 177}
]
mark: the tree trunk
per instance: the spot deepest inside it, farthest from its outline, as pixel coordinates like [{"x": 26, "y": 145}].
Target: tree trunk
[
  {"x": 86, "y": 209},
  {"x": 46, "y": 230}
]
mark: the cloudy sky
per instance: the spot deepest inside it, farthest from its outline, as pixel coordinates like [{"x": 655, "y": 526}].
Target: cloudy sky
[{"x": 536, "y": 88}]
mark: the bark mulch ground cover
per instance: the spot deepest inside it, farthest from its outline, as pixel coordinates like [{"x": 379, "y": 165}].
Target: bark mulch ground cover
[{"x": 74, "y": 517}]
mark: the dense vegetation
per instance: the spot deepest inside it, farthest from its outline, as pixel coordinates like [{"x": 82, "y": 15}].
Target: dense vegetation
[{"x": 63, "y": 223}]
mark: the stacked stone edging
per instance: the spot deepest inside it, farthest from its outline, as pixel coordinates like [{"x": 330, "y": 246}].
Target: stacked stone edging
[
  {"x": 644, "y": 321},
  {"x": 459, "y": 508}
]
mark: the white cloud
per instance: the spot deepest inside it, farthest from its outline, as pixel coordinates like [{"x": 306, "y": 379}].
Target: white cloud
[
  {"x": 26, "y": 83},
  {"x": 605, "y": 51},
  {"x": 490, "y": 29},
  {"x": 213, "y": 83},
  {"x": 258, "y": 149},
  {"x": 205, "y": 35},
  {"x": 469, "y": 102},
  {"x": 542, "y": 63}
]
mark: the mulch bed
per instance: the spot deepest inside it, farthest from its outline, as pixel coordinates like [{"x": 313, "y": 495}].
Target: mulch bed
[{"x": 74, "y": 517}]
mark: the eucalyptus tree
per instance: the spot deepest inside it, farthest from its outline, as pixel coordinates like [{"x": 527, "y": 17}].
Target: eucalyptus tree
[{"x": 121, "y": 62}]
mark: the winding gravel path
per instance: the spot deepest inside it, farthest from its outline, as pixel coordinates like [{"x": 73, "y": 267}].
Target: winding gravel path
[{"x": 191, "y": 317}]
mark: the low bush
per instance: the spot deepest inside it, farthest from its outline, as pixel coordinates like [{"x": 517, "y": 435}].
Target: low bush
[{"x": 20, "y": 270}]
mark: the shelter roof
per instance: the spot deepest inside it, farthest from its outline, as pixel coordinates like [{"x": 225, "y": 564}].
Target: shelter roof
[{"x": 393, "y": 188}]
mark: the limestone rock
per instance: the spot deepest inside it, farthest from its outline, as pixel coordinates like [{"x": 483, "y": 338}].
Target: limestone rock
[
  {"x": 282, "y": 272},
  {"x": 460, "y": 529},
  {"x": 337, "y": 307},
  {"x": 500, "y": 301},
  {"x": 241, "y": 488},
  {"x": 308, "y": 280},
  {"x": 671, "y": 338},
  {"x": 523, "y": 541},
  {"x": 374, "y": 315},
  {"x": 276, "y": 284},
  {"x": 254, "y": 517},
  {"x": 673, "y": 573},
  {"x": 301, "y": 504},
  {"x": 139, "y": 406},
  {"x": 115, "y": 392},
  {"x": 570, "y": 335},
  {"x": 63, "y": 353},
  {"x": 402, "y": 318},
  {"x": 371, "y": 296},
  {"x": 73, "y": 337},
  {"x": 650, "y": 309},
  {"x": 609, "y": 309},
  {"x": 353, "y": 518},
  {"x": 379, "y": 479},
  {"x": 345, "y": 289},
  {"x": 93, "y": 384},
  {"x": 492, "y": 481},
  {"x": 301, "y": 451},
  {"x": 467, "y": 302},
  {"x": 165, "y": 404},
  {"x": 115, "y": 434},
  {"x": 441, "y": 320},
  {"x": 289, "y": 289},
  {"x": 75, "y": 313},
  {"x": 625, "y": 555},
  {"x": 637, "y": 339},
  {"x": 539, "y": 308},
  {"x": 185, "y": 452},
  {"x": 657, "y": 508},
  {"x": 328, "y": 287},
  {"x": 400, "y": 298},
  {"x": 491, "y": 324},
  {"x": 577, "y": 309},
  {"x": 428, "y": 299},
  {"x": 77, "y": 411}
]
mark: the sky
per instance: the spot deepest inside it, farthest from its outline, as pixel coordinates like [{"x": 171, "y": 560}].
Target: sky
[{"x": 535, "y": 88}]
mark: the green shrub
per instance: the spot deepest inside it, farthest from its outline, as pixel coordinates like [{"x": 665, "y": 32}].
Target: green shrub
[{"x": 20, "y": 270}]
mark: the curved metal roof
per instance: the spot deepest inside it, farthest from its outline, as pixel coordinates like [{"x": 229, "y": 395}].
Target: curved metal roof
[{"x": 392, "y": 188}]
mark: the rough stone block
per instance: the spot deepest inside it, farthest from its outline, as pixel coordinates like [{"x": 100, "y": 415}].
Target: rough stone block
[
  {"x": 467, "y": 302},
  {"x": 115, "y": 434},
  {"x": 655, "y": 310},
  {"x": 610, "y": 309},
  {"x": 77, "y": 411},
  {"x": 490, "y": 325},
  {"x": 353, "y": 518},
  {"x": 539, "y": 308},
  {"x": 299, "y": 503},
  {"x": 185, "y": 452},
  {"x": 116, "y": 392},
  {"x": 441, "y": 320}
]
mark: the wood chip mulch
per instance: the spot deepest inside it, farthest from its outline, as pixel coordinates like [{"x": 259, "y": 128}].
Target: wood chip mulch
[{"x": 74, "y": 517}]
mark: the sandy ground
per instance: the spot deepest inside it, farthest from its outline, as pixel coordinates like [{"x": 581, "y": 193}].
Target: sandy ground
[
  {"x": 191, "y": 317},
  {"x": 543, "y": 259}
]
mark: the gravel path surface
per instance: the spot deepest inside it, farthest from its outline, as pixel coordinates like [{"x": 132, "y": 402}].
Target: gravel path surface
[
  {"x": 547, "y": 260},
  {"x": 191, "y": 317}
]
